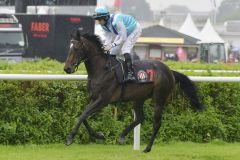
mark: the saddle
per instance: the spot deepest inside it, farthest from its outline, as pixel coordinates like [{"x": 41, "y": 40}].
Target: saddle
[{"x": 142, "y": 73}]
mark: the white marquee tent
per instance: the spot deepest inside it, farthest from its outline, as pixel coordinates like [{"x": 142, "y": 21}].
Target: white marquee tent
[
  {"x": 212, "y": 46},
  {"x": 189, "y": 28},
  {"x": 209, "y": 35}
]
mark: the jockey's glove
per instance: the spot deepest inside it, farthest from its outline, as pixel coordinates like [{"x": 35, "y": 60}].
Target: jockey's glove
[{"x": 108, "y": 47}]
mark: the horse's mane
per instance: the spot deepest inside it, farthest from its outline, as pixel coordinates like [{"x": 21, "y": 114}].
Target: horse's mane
[
  {"x": 95, "y": 39},
  {"x": 91, "y": 37}
]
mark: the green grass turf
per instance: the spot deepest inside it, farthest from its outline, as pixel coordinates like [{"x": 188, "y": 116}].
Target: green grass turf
[{"x": 171, "y": 151}]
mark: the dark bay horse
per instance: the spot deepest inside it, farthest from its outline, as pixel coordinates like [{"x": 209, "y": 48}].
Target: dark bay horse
[{"x": 103, "y": 87}]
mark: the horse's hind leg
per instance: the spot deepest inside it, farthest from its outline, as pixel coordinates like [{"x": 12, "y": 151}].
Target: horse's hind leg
[
  {"x": 95, "y": 106},
  {"x": 97, "y": 135},
  {"x": 156, "y": 126},
  {"x": 161, "y": 97},
  {"x": 92, "y": 133},
  {"x": 139, "y": 117}
]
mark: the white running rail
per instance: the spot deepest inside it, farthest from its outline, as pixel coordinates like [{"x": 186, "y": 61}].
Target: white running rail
[{"x": 84, "y": 77}]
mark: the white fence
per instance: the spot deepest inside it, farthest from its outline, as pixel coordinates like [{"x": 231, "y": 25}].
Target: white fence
[
  {"x": 84, "y": 77},
  {"x": 213, "y": 71},
  {"x": 42, "y": 77}
]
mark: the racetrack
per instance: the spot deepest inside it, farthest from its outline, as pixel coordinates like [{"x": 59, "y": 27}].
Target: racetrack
[{"x": 173, "y": 151}]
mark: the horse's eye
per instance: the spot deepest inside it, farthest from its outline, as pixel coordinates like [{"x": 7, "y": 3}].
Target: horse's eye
[
  {"x": 76, "y": 45},
  {"x": 75, "y": 48}
]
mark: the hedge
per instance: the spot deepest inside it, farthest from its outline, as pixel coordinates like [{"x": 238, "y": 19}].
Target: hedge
[
  {"x": 43, "y": 112},
  {"x": 47, "y": 66}
]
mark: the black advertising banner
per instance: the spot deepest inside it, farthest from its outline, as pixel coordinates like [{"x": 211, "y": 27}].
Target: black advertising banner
[
  {"x": 66, "y": 24},
  {"x": 49, "y": 35},
  {"x": 52, "y": 2}
]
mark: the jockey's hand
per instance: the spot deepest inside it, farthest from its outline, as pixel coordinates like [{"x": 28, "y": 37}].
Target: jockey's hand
[{"x": 107, "y": 47}]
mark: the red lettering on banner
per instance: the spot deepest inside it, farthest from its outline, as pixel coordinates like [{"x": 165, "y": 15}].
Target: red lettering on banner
[
  {"x": 75, "y": 19},
  {"x": 151, "y": 74},
  {"x": 39, "y": 35},
  {"x": 40, "y": 27}
]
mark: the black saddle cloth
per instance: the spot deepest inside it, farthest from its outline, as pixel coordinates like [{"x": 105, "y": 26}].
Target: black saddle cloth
[{"x": 143, "y": 72}]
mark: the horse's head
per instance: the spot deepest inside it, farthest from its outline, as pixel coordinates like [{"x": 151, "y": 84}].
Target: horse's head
[
  {"x": 76, "y": 53},
  {"x": 83, "y": 48}
]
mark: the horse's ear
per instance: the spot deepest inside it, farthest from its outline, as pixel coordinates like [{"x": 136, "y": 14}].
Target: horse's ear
[
  {"x": 76, "y": 33},
  {"x": 73, "y": 34},
  {"x": 79, "y": 32}
]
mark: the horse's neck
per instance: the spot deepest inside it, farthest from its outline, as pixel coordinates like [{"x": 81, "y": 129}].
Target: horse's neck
[
  {"x": 95, "y": 65},
  {"x": 96, "y": 60}
]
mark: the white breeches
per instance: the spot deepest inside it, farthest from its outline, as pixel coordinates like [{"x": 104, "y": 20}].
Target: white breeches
[{"x": 127, "y": 46}]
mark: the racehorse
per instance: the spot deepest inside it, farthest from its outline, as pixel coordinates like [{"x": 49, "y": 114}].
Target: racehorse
[{"x": 104, "y": 88}]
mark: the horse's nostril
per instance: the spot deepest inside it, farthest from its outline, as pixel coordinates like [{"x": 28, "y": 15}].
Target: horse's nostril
[{"x": 67, "y": 70}]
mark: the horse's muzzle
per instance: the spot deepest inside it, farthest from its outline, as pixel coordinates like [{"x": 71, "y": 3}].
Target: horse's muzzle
[{"x": 68, "y": 70}]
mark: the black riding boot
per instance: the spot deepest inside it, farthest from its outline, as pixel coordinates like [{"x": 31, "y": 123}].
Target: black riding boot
[{"x": 128, "y": 60}]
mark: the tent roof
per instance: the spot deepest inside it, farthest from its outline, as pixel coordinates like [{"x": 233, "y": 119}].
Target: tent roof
[
  {"x": 209, "y": 35},
  {"x": 165, "y": 35},
  {"x": 189, "y": 27}
]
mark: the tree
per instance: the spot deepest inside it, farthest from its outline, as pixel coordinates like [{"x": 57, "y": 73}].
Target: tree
[
  {"x": 229, "y": 10},
  {"x": 21, "y": 6},
  {"x": 140, "y": 9},
  {"x": 177, "y": 9}
]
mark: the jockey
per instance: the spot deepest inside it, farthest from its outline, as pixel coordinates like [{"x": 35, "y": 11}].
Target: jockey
[{"x": 121, "y": 32}]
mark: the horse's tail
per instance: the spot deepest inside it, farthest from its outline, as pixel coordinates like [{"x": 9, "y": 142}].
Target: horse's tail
[{"x": 189, "y": 89}]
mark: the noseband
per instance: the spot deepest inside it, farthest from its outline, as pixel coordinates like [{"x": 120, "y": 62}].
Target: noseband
[{"x": 80, "y": 59}]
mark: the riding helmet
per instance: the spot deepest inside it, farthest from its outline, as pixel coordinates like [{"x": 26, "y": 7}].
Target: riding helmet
[{"x": 100, "y": 12}]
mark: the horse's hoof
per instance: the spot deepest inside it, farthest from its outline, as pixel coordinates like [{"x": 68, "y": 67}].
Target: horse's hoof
[
  {"x": 69, "y": 141},
  {"x": 100, "y": 135},
  {"x": 147, "y": 149},
  {"x": 121, "y": 140}
]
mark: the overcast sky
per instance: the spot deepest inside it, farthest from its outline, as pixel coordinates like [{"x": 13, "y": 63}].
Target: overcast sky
[{"x": 194, "y": 5}]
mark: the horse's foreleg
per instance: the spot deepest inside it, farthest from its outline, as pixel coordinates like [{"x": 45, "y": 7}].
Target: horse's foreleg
[
  {"x": 91, "y": 108},
  {"x": 139, "y": 118},
  {"x": 97, "y": 135}
]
